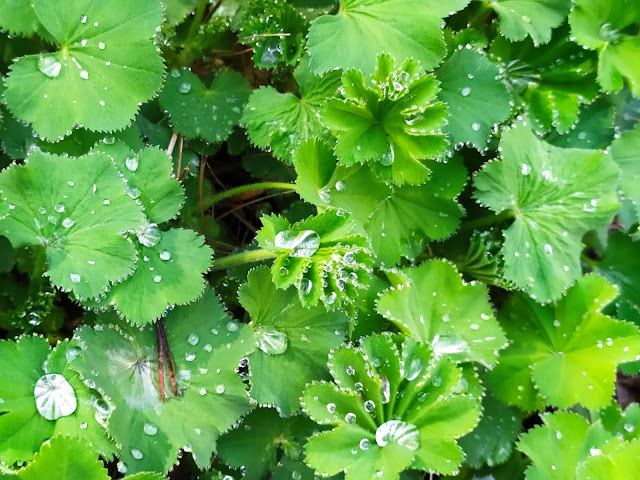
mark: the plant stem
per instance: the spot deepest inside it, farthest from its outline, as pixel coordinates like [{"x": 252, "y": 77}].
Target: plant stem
[
  {"x": 487, "y": 221},
  {"x": 241, "y": 259},
  {"x": 197, "y": 20},
  {"x": 249, "y": 188}
]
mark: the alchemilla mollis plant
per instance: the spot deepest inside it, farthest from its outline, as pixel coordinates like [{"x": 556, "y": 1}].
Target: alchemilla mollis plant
[{"x": 303, "y": 239}]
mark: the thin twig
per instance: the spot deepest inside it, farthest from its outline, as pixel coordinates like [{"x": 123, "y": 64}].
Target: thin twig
[
  {"x": 160, "y": 360},
  {"x": 252, "y": 202},
  {"x": 203, "y": 162},
  {"x": 172, "y": 143},
  {"x": 179, "y": 158}
]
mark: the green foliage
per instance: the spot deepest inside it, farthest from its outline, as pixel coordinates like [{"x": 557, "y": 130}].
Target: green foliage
[
  {"x": 555, "y": 195},
  {"x": 105, "y": 64},
  {"x": 390, "y": 123},
  {"x": 425, "y": 222},
  {"x": 394, "y": 406}
]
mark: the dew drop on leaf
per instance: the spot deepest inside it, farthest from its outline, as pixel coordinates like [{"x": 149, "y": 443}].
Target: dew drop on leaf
[
  {"x": 400, "y": 432},
  {"x": 232, "y": 327},
  {"x": 185, "y": 87},
  {"x": 302, "y": 244},
  {"x": 75, "y": 278},
  {"x": 54, "y": 397},
  {"x": 165, "y": 255},
  {"x": 271, "y": 341},
  {"x": 350, "y": 417},
  {"x": 137, "y": 454},
  {"x": 365, "y": 444},
  {"x": 193, "y": 339},
  {"x": 369, "y": 405},
  {"x": 220, "y": 389},
  {"x": 331, "y": 407},
  {"x": 131, "y": 163},
  {"x": 150, "y": 429},
  {"x": 465, "y": 92},
  {"x": 150, "y": 235},
  {"x": 49, "y": 66}
]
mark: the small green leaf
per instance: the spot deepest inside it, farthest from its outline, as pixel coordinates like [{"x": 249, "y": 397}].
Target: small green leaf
[
  {"x": 290, "y": 338},
  {"x": 396, "y": 219},
  {"x": 563, "y": 354},
  {"x": 149, "y": 180},
  {"x": 176, "y": 10},
  {"x": 624, "y": 151},
  {"x": 436, "y": 309},
  {"x": 555, "y": 195},
  {"x": 168, "y": 272},
  {"x": 558, "y": 446},
  {"x": 607, "y": 26},
  {"x": 284, "y": 121},
  {"x": 476, "y": 98},
  {"x": 65, "y": 458},
  {"x": 270, "y": 437},
  {"x": 319, "y": 255},
  {"x": 362, "y": 29},
  {"x": 391, "y": 123},
  {"x": 105, "y": 65},
  {"x": 206, "y": 346},
  {"x": 200, "y": 112},
  {"x": 534, "y": 18},
  {"x": 64, "y": 404},
  {"x": 395, "y": 408},
  {"x": 78, "y": 217}
]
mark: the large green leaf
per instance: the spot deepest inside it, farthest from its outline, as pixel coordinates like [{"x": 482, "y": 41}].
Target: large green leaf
[
  {"x": 77, "y": 216},
  {"x": 565, "y": 353},
  {"x": 207, "y": 346},
  {"x": 65, "y": 458},
  {"x": 608, "y": 26},
  {"x": 319, "y": 255},
  {"x": 284, "y": 121},
  {"x": 271, "y": 439},
  {"x": 168, "y": 273},
  {"x": 394, "y": 406},
  {"x": 200, "y": 112},
  {"x": 70, "y": 407},
  {"x": 149, "y": 180},
  {"x": 397, "y": 220},
  {"x": 437, "y": 309},
  {"x": 552, "y": 81},
  {"x": 476, "y": 97},
  {"x": 391, "y": 122},
  {"x": 18, "y": 17},
  {"x": 363, "y": 28},
  {"x": 625, "y": 152},
  {"x": 290, "y": 338},
  {"x": 555, "y": 195},
  {"x": 534, "y": 18},
  {"x": 105, "y": 64}
]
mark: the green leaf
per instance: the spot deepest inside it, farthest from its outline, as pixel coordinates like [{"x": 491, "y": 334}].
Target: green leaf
[
  {"x": 391, "y": 123},
  {"x": 476, "y": 98},
  {"x": 534, "y": 18},
  {"x": 176, "y": 10},
  {"x": 396, "y": 219},
  {"x": 168, "y": 273},
  {"x": 436, "y": 309},
  {"x": 491, "y": 442},
  {"x": 624, "y": 151},
  {"x": 617, "y": 460},
  {"x": 607, "y": 26},
  {"x": 269, "y": 437},
  {"x": 78, "y": 218},
  {"x": 620, "y": 265},
  {"x": 319, "y": 255},
  {"x": 149, "y": 180},
  {"x": 555, "y": 195},
  {"x": 18, "y": 17},
  {"x": 560, "y": 444},
  {"x": 206, "y": 346},
  {"x": 23, "y": 427},
  {"x": 622, "y": 423},
  {"x": 565, "y": 353},
  {"x": 552, "y": 80},
  {"x": 396, "y": 407},
  {"x": 205, "y": 112},
  {"x": 362, "y": 29},
  {"x": 65, "y": 458},
  {"x": 105, "y": 65},
  {"x": 284, "y": 121},
  {"x": 276, "y": 31},
  {"x": 290, "y": 338}
]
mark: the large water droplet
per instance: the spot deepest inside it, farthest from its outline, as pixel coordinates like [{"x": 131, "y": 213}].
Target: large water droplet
[
  {"x": 369, "y": 405},
  {"x": 49, "y": 66},
  {"x": 399, "y": 432},
  {"x": 150, "y": 429},
  {"x": 131, "y": 163},
  {"x": 185, "y": 87},
  {"x": 75, "y": 278},
  {"x": 303, "y": 244},
  {"x": 272, "y": 51},
  {"x": 220, "y": 389},
  {"x": 365, "y": 444},
  {"x": 465, "y": 92},
  {"x": 165, "y": 255},
  {"x": 413, "y": 369},
  {"x": 68, "y": 223},
  {"x": 271, "y": 341},
  {"x": 150, "y": 235},
  {"x": 193, "y": 339},
  {"x": 137, "y": 454},
  {"x": 388, "y": 158},
  {"x": 54, "y": 396}
]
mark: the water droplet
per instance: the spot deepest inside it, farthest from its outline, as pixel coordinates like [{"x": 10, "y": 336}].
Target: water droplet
[
  {"x": 49, "y": 66},
  {"x": 190, "y": 357},
  {"x": 232, "y": 327},
  {"x": 331, "y": 407},
  {"x": 150, "y": 235},
  {"x": 400, "y": 432},
  {"x": 350, "y": 417},
  {"x": 220, "y": 389},
  {"x": 193, "y": 339},
  {"x": 306, "y": 286},
  {"x": 137, "y": 454},
  {"x": 75, "y": 278},
  {"x": 414, "y": 369},
  {"x": 72, "y": 353},
  {"x": 365, "y": 444},
  {"x": 131, "y": 163},
  {"x": 101, "y": 45},
  {"x": 68, "y": 223},
  {"x": 369, "y": 405},
  {"x": 302, "y": 244},
  {"x": 475, "y": 127},
  {"x": 465, "y": 92},
  {"x": 436, "y": 381},
  {"x": 526, "y": 169},
  {"x": 271, "y": 341},
  {"x": 175, "y": 73},
  {"x": 150, "y": 429},
  {"x": 59, "y": 208},
  {"x": 388, "y": 157},
  {"x": 54, "y": 397},
  {"x": 84, "y": 74},
  {"x": 526, "y": 19},
  {"x": 340, "y": 186},
  {"x": 165, "y": 255},
  {"x": 157, "y": 278},
  {"x": 185, "y": 87}
]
